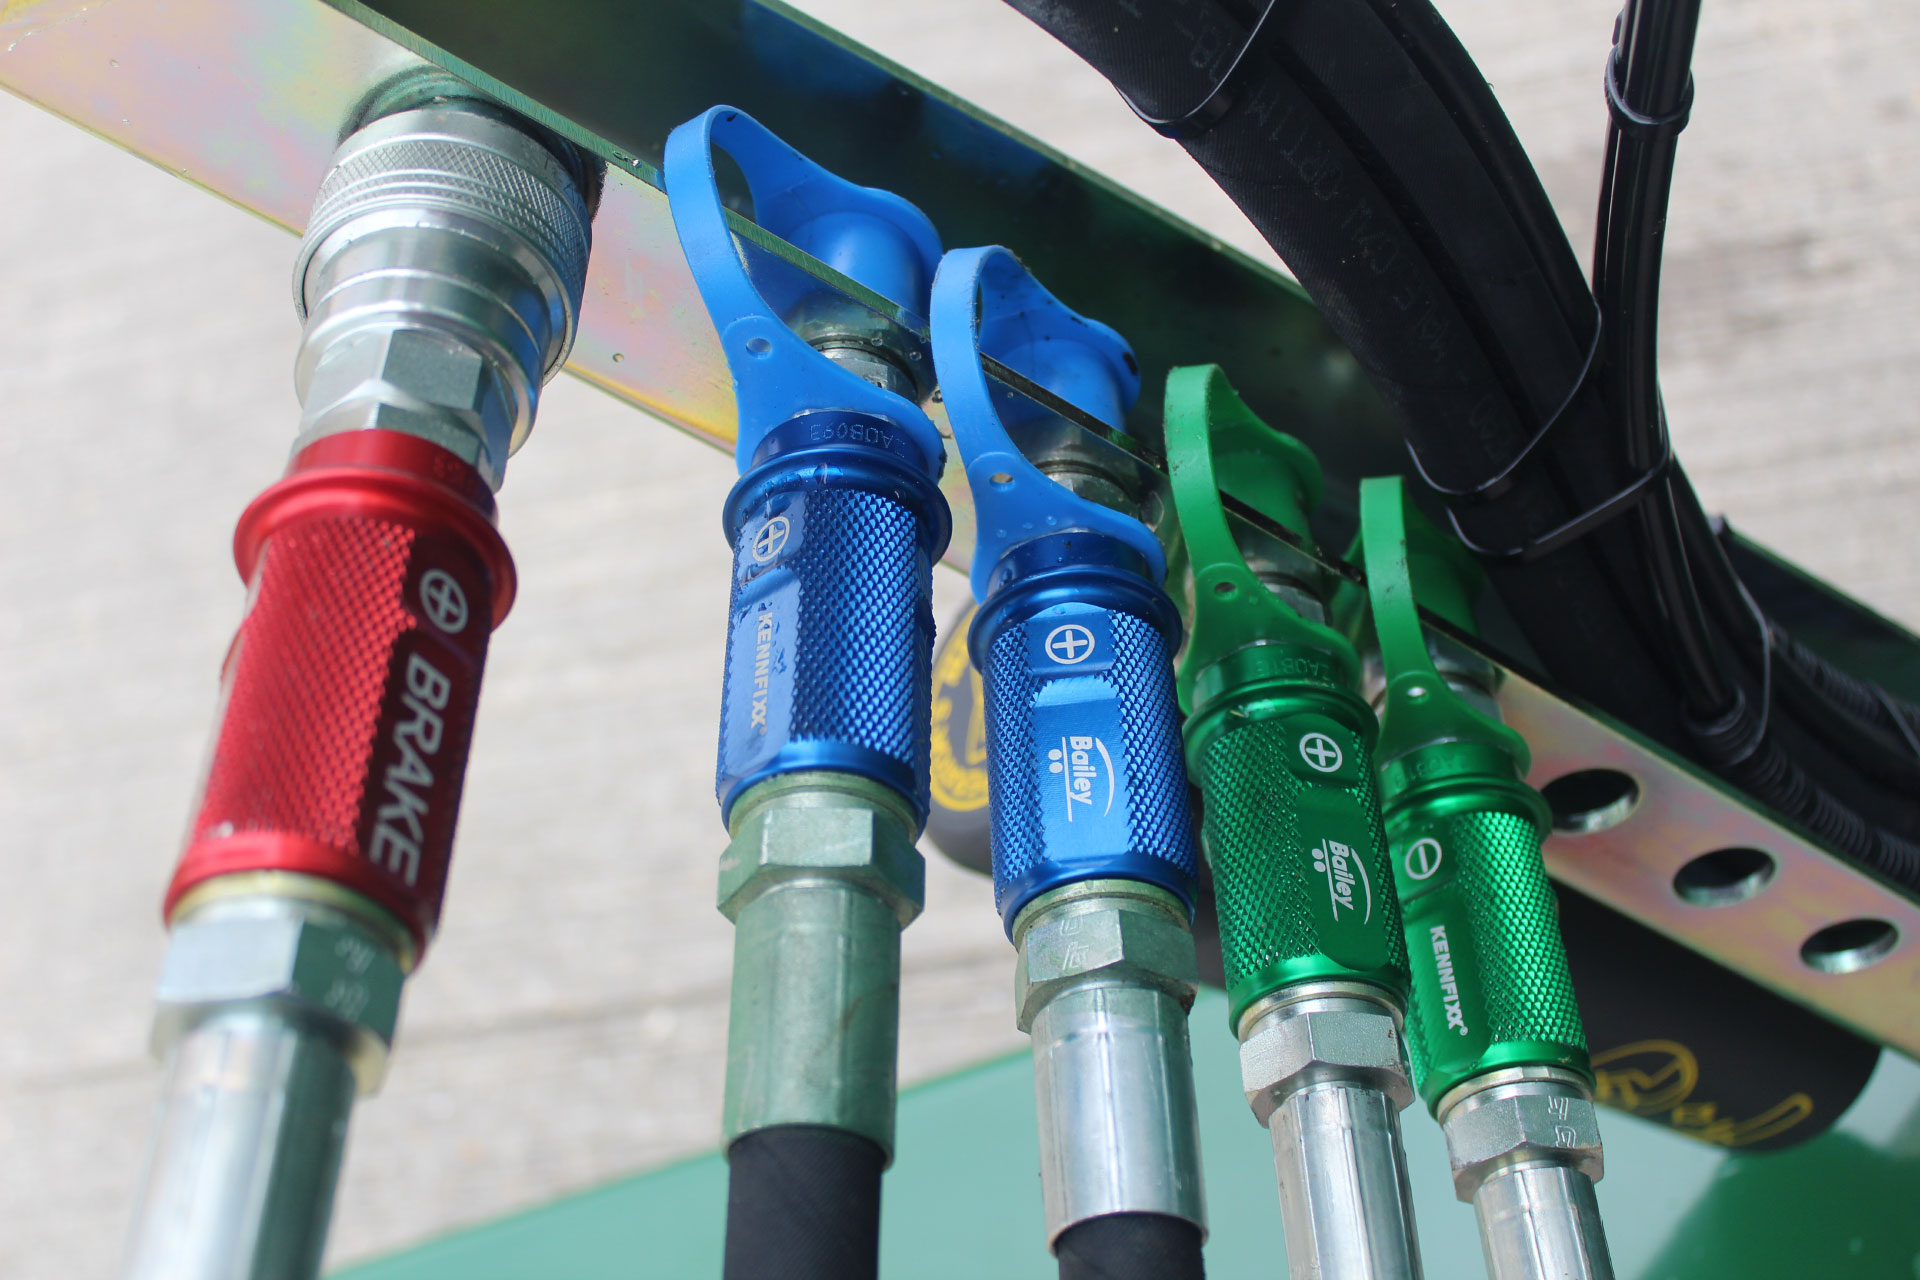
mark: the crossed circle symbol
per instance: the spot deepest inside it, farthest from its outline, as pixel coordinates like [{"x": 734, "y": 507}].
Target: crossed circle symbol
[
  {"x": 1070, "y": 644},
  {"x": 1321, "y": 752},
  {"x": 444, "y": 601},
  {"x": 772, "y": 538},
  {"x": 1423, "y": 857}
]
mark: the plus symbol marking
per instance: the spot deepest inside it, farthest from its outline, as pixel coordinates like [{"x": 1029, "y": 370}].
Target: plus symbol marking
[
  {"x": 772, "y": 539},
  {"x": 1070, "y": 645},
  {"x": 1321, "y": 753},
  {"x": 444, "y": 601}
]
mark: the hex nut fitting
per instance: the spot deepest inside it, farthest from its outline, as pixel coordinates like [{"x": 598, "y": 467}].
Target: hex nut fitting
[
  {"x": 1349, "y": 1041},
  {"x": 1102, "y": 939},
  {"x": 1531, "y": 1122},
  {"x": 307, "y": 965},
  {"x": 822, "y": 835},
  {"x": 421, "y": 383}
]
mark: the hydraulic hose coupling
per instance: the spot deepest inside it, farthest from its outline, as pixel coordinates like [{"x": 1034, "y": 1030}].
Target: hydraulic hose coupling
[
  {"x": 835, "y": 523},
  {"x": 1093, "y": 858},
  {"x": 1498, "y": 1050},
  {"x": 439, "y": 280},
  {"x": 1280, "y": 744}
]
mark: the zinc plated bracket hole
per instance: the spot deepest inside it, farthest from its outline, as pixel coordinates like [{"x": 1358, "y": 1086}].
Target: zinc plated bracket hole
[
  {"x": 1849, "y": 946},
  {"x": 1591, "y": 800},
  {"x": 1724, "y": 877}
]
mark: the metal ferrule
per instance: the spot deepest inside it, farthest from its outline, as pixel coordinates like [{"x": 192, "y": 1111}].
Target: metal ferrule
[
  {"x": 820, "y": 878},
  {"x": 860, "y": 342},
  {"x": 274, "y": 1011},
  {"x": 440, "y": 282},
  {"x": 1525, "y": 1148},
  {"x": 1324, "y": 1069},
  {"x": 1105, "y": 979}
]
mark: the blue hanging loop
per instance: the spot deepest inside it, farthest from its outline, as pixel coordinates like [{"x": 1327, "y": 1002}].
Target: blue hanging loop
[
  {"x": 872, "y": 237},
  {"x": 837, "y": 517},
  {"x": 985, "y": 303},
  {"x": 1074, "y": 633}
]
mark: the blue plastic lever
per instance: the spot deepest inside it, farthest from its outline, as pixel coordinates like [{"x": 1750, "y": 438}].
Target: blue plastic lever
[
  {"x": 870, "y": 236},
  {"x": 1074, "y": 636},
  {"x": 837, "y": 517},
  {"x": 985, "y": 302}
]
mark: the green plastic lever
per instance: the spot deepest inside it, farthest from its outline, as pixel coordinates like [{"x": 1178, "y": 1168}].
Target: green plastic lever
[
  {"x": 1277, "y": 738},
  {"x": 1215, "y": 445},
  {"x": 1490, "y": 983}
]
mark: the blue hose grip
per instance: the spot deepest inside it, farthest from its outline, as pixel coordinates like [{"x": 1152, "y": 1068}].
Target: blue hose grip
[
  {"x": 837, "y": 517},
  {"x": 1074, "y": 637},
  {"x": 1085, "y": 775}
]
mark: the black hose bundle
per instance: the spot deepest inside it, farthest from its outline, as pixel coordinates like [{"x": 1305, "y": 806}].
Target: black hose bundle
[{"x": 1363, "y": 144}]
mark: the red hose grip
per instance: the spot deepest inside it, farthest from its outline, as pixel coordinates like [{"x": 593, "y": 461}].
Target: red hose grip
[{"x": 375, "y": 577}]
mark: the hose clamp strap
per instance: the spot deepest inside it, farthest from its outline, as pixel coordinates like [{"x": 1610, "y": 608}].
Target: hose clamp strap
[
  {"x": 1219, "y": 100},
  {"x": 1627, "y": 120}
]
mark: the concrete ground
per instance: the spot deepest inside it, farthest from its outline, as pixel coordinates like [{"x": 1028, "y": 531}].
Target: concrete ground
[{"x": 570, "y": 1025}]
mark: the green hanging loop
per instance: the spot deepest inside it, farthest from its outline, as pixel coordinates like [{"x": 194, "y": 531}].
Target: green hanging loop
[
  {"x": 1216, "y": 445},
  {"x": 1420, "y": 709}
]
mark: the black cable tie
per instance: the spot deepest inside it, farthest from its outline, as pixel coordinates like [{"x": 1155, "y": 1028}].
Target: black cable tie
[
  {"x": 1505, "y": 478},
  {"x": 1214, "y": 107},
  {"x": 1627, "y": 120},
  {"x": 1626, "y": 499}
]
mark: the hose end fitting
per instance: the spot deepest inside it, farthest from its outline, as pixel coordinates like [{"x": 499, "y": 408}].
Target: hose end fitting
[
  {"x": 1105, "y": 978},
  {"x": 819, "y": 880}
]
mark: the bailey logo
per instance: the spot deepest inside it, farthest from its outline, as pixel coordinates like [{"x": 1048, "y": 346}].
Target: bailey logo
[
  {"x": 1075, "y": 761},
  {"x": 1344, "y": 873}
]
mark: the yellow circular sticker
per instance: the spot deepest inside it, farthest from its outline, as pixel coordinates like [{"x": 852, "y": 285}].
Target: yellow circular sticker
[{"x": 959, "y": 758}]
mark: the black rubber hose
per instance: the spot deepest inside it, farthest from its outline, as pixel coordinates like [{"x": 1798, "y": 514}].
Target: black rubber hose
[
  {"x": 1130, "y": 1246},
  {"x": 1650, "y": 70},
  {"x": 1350, "y": 166},
  {"x": 1426, "y": 246},
  {"x": 803, "y": 1203}
]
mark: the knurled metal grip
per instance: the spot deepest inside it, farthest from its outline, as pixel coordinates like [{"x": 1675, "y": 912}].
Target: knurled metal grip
[
  {"x": 1083, "y": 740},
  {"x": 375, "y": 577},
  {"x": 830, "y": 627},
  {"x": 1301, "y": 875},
  {"x": 837, "y": 518},
  {"x": 1491, "y": 987}
]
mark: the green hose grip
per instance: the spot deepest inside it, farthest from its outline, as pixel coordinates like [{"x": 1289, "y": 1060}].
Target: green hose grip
[
  {"x": 1278, "y": 740},
  {"x": 1490, "y": 982}
]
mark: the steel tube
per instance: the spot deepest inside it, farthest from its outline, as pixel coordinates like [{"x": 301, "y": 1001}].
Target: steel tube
[
  {"x": 253, "y": 1124},
  {"x": 1525, "y": 1148},
  {"x": 1344, "y": 1200},
  {"x": 821, "y": 877},
  {"x": 1104, "y": 981},
  {"x": 1541, "y": 1222},
  {"x": 1113, "y": 1077},
  {"x": 814, "y": 1022}
]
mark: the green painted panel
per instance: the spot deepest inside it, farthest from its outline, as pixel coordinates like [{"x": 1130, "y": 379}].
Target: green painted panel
[{"x": 963, "y": 1201}]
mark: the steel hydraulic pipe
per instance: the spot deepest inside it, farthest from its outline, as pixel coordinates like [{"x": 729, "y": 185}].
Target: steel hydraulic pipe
[
  {"x": 1280, "y": 744},
  {"x": 1093, "y": 857},
  {"x": 1499, "y": 1050},
  {"x": 1345, "y": 1202},
  {"x": 835, "y": 524},
  {"x": 439, "y": 282}
]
